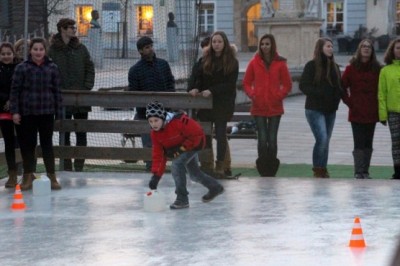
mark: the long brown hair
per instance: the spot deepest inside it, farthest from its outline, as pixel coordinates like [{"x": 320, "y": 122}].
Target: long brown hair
[
  {"x": 267, "y": 58},
  {"x": 320, "y": 67},
  {"x": 356, "y": 58},
  {"x": 389, "y": 54},
  {"x": 227, "y": 56}
]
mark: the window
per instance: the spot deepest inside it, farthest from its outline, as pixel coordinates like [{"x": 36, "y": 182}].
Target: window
[
  {"x": 83, "y": 15},
  {"x": 334, "y": 18},
  {"x": 206, "y": 19},
  {"x": 144, "y": 16}
]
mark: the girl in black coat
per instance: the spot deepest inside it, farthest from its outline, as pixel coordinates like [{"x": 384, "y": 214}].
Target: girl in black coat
[
  {"x": 7, "y": 66},
  {"x": 217, "y": 77}
]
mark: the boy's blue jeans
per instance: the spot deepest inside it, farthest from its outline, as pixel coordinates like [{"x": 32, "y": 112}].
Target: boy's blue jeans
[
  {"x": 321, "y": 125},
  {"x": 189, "y": 162}
]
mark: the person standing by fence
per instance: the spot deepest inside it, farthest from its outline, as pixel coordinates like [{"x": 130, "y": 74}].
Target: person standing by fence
[
  {"x": 35, "y": 100},
  {"x": 77, "y": 73},
  {"x": 7, "y": 66},
  {"x": 360, "y": 85},
  {"x": 217, "y": 76},
  {"x": 207, "y": 162},
  {"x": 150, "y": 73},
  {"x": 389, "y": 100},
  {"x": 320, "y": 82},
  {"x": 267, "y": 82}
]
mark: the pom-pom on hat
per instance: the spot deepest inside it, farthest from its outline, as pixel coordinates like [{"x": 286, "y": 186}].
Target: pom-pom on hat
[
  {"x": 142, "y": 42},
  {"x": 155, "y": 109}
]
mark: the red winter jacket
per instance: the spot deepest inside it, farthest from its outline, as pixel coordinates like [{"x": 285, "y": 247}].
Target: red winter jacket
[
  {"x": 181, "y": 130},
  {"x": 267, "y": 87},
  {"x": 361, "y": 95}
]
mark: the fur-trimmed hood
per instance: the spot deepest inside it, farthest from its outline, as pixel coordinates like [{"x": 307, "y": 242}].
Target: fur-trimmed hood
[{"x": 58, "y": 43}]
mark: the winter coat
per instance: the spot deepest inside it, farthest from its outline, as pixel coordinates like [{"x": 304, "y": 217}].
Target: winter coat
[
  {"x": 389, "y": 90},
  {"x": 153, "y": 75},
  {"x": 178, "y": 130},
  {"x": 194, "y": 75},
  {"x": 223, "y": 89},
  {"x": 75, "y": 65},
  {"x": 322, "y": 97},
  {"x": 361, "y": 98},
  {"x": 267, "y": 87},
  {"x": 35, "y": 89},
  {"x": 6, "y": 73}
]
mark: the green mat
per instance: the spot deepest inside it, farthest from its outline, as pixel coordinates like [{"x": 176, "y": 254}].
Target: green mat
[{"x": 285, "y": 170}]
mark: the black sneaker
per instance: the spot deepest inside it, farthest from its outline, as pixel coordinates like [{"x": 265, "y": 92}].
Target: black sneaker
[
  {"x": 179, "y": 205},
  {"x": 212, "y": 193}
]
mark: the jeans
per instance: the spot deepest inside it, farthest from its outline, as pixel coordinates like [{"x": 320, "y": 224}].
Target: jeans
[
  {"x": 321, "y": 125},
  {"x": 189, "y": 162},
  {"x": 267, "y": 134},
  {"x": 220, "y": 136},
  {"x": 27, "y": 133}
]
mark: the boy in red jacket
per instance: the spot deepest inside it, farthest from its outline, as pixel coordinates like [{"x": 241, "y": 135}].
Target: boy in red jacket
[{"x": 178, "y": 137}]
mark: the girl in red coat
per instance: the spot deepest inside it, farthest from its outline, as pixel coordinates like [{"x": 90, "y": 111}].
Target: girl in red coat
[
  {"x": 178, "y": 137},
  {"x": 360, "y": 82},
  {"x": 267, "y": 82}
]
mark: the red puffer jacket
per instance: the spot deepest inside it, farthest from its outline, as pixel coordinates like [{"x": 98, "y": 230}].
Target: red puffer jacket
[
  {"x": 267, "y": 87},
  {"x": 361, "y": 95},
  {"x": 181, "y": 130}
]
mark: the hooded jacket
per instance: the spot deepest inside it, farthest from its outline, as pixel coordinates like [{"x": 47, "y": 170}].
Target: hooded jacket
[
  {"x": 267, "y": 87},
  {"x": 75, "y": 65},
  {"x": 178, "y": 130},
  {"x": 6, "y": 73},
  {"x": 323, "y": 97},
  {"x": 389, "y": 90},
  {"x": 362, "y": 85}
]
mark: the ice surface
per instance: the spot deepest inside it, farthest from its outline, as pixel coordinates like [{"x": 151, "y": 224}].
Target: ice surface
[{"x": 98, "y": 219}]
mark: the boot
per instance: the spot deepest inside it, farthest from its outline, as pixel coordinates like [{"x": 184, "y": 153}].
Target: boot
[
  {"x": 227, "y": 160},
  {"x": 219, "y": 167},
  {"x": 359, "y": 165},
  {"x": 396, "y": 174},
  {"x": 27, "y": 180},
  {"x": 367, "y": 162},
  {"x": 320, "y": 172},
  {"x": 12, "y": 179},
  {"x": 54, "y": 183},
  {"x": 78, "y": 165}
]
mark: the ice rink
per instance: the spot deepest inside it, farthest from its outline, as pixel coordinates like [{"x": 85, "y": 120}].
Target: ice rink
[{"x": 98, "y": 219}]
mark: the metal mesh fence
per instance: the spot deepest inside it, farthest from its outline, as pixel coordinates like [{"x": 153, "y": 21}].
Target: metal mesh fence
[{"x": 113, "y": 48}]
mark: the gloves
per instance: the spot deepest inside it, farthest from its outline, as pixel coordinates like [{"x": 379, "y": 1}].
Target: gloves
[
  {"x": 174, "y": 151},
  {"x": 154, "y": 182},
  {"x": 383, "y": 123}
]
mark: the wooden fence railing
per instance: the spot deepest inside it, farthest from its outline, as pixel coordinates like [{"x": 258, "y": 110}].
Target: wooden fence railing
[{"x": 118, "y": 99}]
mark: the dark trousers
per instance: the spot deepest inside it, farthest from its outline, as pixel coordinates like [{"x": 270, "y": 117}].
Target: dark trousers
[
  {"x": 220, "y": 136},
  {"x": 363, "y": 135},
  {"x": 394, "y": 127},
  {"x": 27, "y": 133},
  {"x": 81, "y": 140},
  {"x": 267, "y": 134},
  {"x": 7, "y": 130}
]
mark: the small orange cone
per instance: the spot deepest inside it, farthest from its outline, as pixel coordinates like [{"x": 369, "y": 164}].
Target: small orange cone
[
  {"x": 18, "y": 202},
  {"x": 357, "y": 238}
]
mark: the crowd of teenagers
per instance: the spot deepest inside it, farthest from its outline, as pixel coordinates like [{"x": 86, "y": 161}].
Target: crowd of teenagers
[{"x": 30, "y": 100}]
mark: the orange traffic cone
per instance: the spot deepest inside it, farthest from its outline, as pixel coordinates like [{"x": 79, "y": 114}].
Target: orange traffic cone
[
  {"x": 18, "y": 202},
  {"x": 357, "y": 238}
]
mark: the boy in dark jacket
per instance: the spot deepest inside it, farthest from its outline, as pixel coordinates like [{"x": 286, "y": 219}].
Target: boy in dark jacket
[{"x": 178, "y": 137}]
